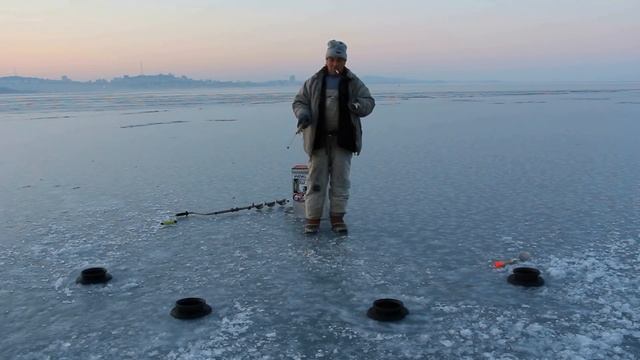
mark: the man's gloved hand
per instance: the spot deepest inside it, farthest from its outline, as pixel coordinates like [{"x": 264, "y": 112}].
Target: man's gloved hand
[
  {"x": 304, "y": 121},
  {"x": 354, "y": 107}
]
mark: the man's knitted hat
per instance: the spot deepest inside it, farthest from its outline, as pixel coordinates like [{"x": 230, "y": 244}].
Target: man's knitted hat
[{"x": 337, "y": 49}]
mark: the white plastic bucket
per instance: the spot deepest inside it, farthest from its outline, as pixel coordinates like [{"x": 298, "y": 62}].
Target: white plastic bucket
[{"x": 299, "y": 173}]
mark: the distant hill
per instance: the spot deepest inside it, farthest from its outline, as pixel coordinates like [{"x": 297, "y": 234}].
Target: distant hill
[
  {"x": 371, "y": 79},
  {"x": 6, "y": 90},
  {"x": 18, "y": 84}
]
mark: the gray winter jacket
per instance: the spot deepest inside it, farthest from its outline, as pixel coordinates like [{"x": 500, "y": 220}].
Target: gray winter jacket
[{"x": 307, "y": 101}]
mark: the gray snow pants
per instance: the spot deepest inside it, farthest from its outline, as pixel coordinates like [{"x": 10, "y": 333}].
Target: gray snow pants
[{"x": 328, "y": 166}]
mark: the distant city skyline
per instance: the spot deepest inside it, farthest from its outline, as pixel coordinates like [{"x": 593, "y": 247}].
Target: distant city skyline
[{"x": 251, "y": 40}]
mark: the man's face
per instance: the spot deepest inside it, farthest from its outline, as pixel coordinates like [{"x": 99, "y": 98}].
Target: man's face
[{"x": 335, "y": 65}]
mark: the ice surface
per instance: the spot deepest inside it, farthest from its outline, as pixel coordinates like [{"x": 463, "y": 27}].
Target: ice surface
[{"x": 441, "y": 188}]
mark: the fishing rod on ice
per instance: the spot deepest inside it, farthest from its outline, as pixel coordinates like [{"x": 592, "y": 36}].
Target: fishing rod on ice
[
  {"x": 258, "y": 206},
  {"x": 294, "y": 137}
]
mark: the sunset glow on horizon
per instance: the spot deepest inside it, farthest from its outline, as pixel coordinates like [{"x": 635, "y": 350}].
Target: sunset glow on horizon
[{"x": 254, "y": 40}]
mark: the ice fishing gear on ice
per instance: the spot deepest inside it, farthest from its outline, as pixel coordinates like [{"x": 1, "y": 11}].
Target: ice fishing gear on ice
[
  {"x": 526, "y": 276},
  {"x": 190, "y": 308},
  {"x": 94, "y": 275},
  {"x": 523, "y": 256},
  {"x": 258, "y": 206},
  {"x": 387, "y": 310}
]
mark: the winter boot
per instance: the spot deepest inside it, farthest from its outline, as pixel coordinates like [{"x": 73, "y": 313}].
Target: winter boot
[
  {"x": 337, "y": 224},
  {"x": 312, "y": 226}
]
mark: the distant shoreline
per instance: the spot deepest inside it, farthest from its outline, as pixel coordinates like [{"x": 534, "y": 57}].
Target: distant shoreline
[
  {"x": 21, "y": 84},
  {"x": 15, "y": 85}
]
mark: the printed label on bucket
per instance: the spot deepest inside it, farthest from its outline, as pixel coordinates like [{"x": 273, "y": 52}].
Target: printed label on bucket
[{"x": 299, "y": 175}]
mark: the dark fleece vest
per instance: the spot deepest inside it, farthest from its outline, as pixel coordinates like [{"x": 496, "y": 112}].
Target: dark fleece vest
[{"x": 346, "y": 131}]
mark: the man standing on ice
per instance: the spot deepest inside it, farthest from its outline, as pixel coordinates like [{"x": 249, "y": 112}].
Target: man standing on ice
[{"x": 328, "y": 108}]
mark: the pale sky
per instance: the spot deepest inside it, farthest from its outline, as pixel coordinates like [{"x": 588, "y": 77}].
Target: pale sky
[{"x": 519, "y": 40}]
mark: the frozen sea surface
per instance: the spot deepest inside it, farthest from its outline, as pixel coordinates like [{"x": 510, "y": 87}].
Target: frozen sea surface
[{"x": 450, "y": 177}]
